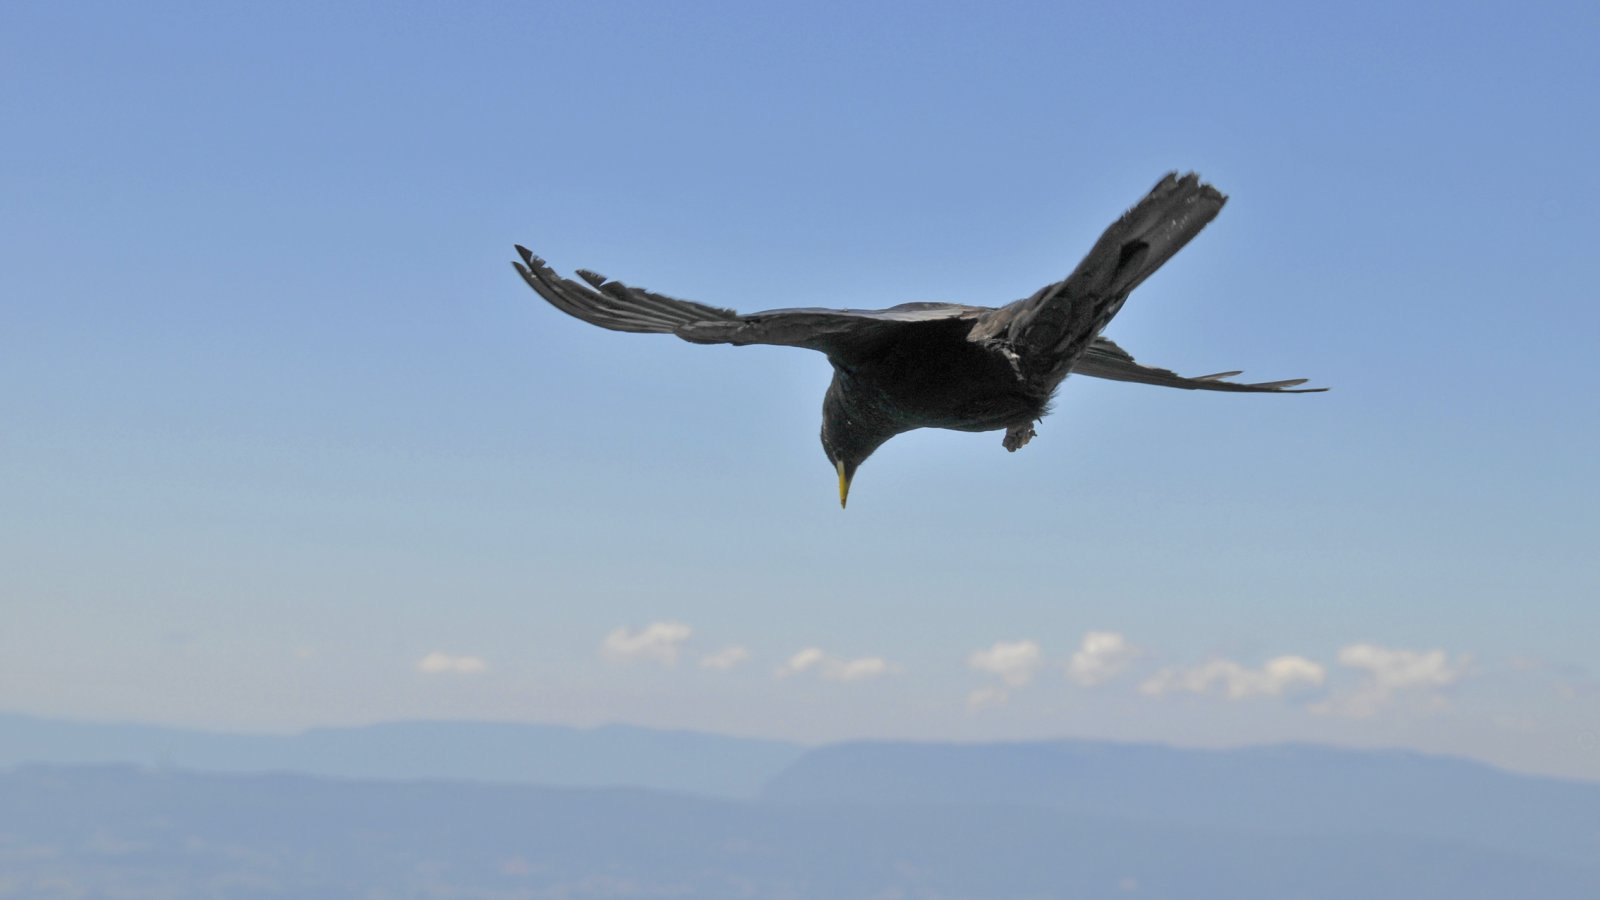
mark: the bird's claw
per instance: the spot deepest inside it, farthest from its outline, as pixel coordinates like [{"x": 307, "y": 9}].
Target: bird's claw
[{"x": 1018, "y": 436}]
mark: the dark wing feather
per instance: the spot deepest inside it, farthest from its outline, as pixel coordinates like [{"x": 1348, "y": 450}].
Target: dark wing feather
[
  {"x": 1105, "y": 359},
  {"x": 1050, "y": 330},
  {"x": 832, "y": 331},
  {"x": 612, "y": 306},
  {"x": 619, "y": 307}
]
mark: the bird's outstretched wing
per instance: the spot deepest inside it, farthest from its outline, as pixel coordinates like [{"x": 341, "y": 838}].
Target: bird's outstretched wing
[
  {"x": 1050, "y": 330},
  {"x": 619, "y": 307},
  {"x": 1105, "y": 359}
]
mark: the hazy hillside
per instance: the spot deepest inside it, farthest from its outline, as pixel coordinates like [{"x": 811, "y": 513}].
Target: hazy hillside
[
  {"x": 613, "y": 755},
  {"x": 1291, "y": 788},
  {"x": 1076, "y": 819},
  {"x": 74, "y": 832}
]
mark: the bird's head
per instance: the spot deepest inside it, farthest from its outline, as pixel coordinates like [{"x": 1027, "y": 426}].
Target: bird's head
[{"x": 847, "y": 440}]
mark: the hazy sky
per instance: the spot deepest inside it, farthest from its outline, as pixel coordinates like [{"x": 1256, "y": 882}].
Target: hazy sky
[{"x": 284, "y": 441}]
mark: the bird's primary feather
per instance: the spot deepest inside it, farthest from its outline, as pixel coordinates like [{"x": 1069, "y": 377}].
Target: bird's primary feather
[{"x": 1105, "y": 359}]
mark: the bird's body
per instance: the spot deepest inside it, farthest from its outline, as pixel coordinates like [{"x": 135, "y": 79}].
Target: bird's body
[
  {"x": 941, "y": 365},
  {"x": 931, "y": 375}
]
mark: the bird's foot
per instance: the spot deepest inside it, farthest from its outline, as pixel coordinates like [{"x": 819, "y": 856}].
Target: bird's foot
[{"x": 1018, "y": 436}]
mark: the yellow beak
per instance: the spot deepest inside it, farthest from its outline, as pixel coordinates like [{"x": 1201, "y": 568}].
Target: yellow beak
[{"x": 844, "y": 484}]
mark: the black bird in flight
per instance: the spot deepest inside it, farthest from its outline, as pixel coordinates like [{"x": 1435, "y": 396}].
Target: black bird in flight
[{"x": 941, "y": 365}]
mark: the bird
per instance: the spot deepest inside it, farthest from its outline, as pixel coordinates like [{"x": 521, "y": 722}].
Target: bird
[{"x": 941, "y": 365}]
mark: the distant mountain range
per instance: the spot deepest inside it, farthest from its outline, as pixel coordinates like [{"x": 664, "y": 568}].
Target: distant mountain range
[
  {"x": 552, "y": 755},
  {"x": 411, "y": 813}
]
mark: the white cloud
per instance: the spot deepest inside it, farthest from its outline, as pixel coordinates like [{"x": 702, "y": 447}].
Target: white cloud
[
  {"x": 985, "y": 697},
  {"x": 657, "y": 642},
  {"x": 1390, "y": 672},
  {"x": 833, "y": 668},
  {"x": 1014, "y": 661},
  {"x": 855, "y": 669},
  {"x": 1238, "y": 682},
  {"x": 437, "y": 663},
  {"x": 1100, "y": 657},
  {"x": 726, "y": 658},
  {"x": 801, "y": 661},
  {"x": 1400, "y": 669}
]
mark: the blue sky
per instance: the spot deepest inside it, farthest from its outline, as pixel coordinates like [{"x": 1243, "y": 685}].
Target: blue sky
[{"x": 280, "y": 423}]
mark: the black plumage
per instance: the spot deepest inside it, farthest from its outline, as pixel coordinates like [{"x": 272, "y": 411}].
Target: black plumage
[{"x": 942, "y": 365}]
